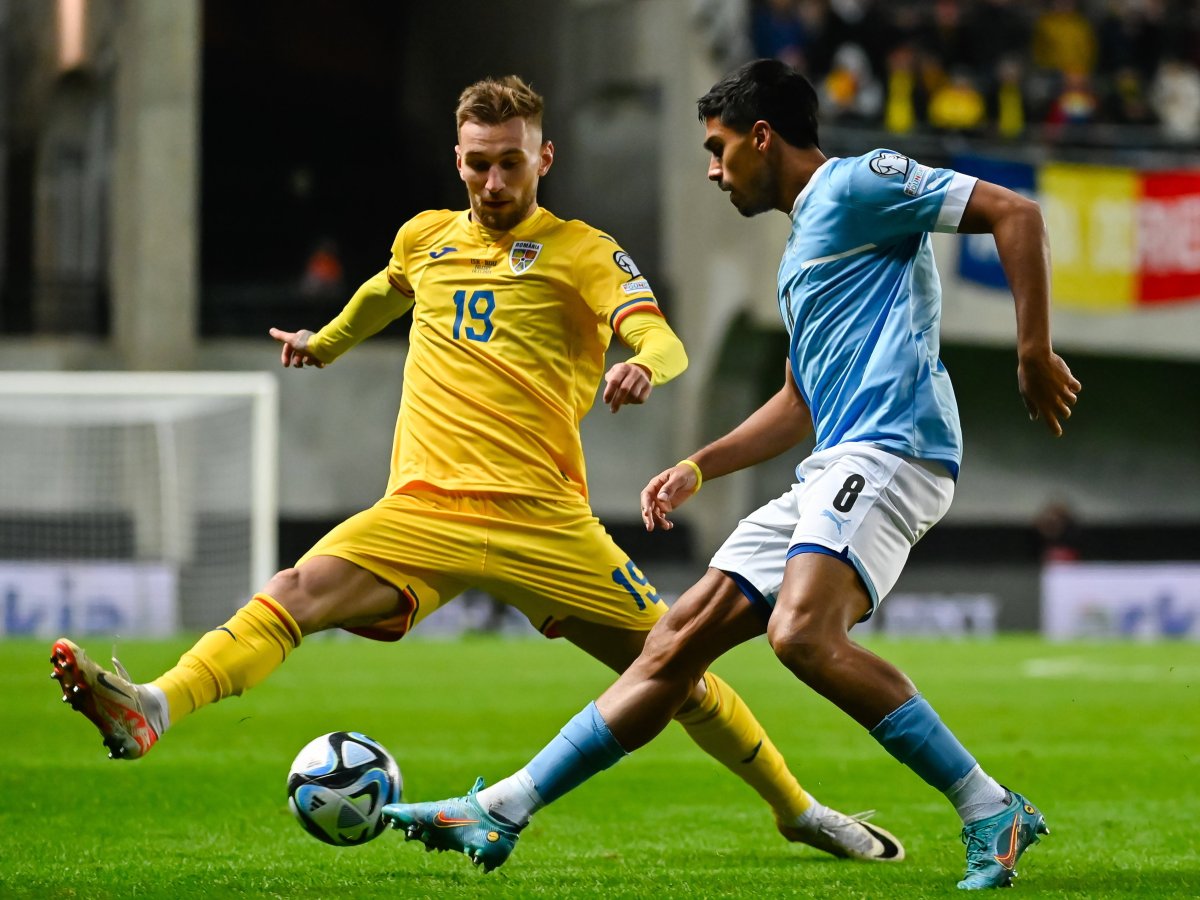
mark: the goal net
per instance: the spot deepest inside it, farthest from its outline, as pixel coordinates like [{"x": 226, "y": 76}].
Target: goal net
[{"x": 134, "y": 503}]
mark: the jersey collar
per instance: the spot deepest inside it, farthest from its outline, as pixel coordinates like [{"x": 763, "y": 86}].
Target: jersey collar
[
  {"x": 820, "y": 170},
  {"x": 494, "y": 237}
]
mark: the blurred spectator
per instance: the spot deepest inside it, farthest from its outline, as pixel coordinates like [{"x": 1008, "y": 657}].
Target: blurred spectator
[
  {"x": 1065, "y": 65},
  {"x": 826, "y": 31},
  {"x": 1127, "y": 100},
  {"x": 1175, "y": 96},
  {"x": 997, "y": 31},
  {"x": 889, "y": 27},
  {"x": 905, "y": 104},
  {"x": 944, "y": 37},
  {"x": 1076, "y": 103},
  {"x": 1131, "y": 36},
  {"x": 957, "y": 105},
  {"x": 323, "y": 275},
  {"x": 1074, "y": 108},
  {"x": 1058, "y": 533},
  {"x": 778, "y": 32},
  {"x": 998, "y": 39},
  {"x": 850, "y": 90},
  {"x": 1064, "y": 40},
  {"x": 1183, "y": 32},
  {"x": 1007, "y": 99}
]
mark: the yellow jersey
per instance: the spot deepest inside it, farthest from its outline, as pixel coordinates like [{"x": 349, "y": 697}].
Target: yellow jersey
[{"x": 506, "y": 347}]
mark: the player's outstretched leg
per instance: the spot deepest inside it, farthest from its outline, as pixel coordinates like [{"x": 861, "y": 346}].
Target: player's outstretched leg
[
  {"x": 122, "y": 711},
  {"x": 848, "y": 837},
  {"x": 725, "y": 728},
  {"x": 459, "y": 824},
  {"x": 996, "y": 843}
]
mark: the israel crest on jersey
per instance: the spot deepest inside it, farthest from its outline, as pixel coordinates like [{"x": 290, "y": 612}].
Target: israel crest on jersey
[{"x": 522, "y": 255}]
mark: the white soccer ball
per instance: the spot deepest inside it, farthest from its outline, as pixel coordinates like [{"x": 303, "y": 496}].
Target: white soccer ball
[{"x": 339, "y": 784}]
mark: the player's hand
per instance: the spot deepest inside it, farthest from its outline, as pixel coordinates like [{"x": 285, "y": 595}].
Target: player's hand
[
  {"x": 626, "y": 383},
  {"x": 1048, "y": 389},
  {"x": 295, "y": 348},
  {"x": 666, "y": 492}
]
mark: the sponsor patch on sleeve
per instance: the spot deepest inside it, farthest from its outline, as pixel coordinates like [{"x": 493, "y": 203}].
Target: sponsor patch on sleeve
[
  {"x": 637, "y": 286},
  {"x": 916, "y": 181}
]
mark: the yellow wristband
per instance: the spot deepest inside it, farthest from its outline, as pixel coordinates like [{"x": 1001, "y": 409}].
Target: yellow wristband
[{"x": 695, "y": 468}]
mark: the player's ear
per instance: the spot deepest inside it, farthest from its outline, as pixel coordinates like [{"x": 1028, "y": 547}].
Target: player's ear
[
  {"x": 760, "y": 135},
  {"x": 547, "y": 158},
  {"x": 458, "y": 163}
]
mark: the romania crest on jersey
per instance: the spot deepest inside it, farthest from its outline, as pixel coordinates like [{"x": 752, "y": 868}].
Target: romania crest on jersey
[{"x": 522, "y": 255}]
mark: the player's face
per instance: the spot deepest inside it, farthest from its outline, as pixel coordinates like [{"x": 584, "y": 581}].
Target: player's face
[
  {"x": 739, "y": 167},
  {"x": 501, "y": 165}
]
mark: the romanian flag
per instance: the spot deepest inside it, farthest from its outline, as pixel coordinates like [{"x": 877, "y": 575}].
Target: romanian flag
[{"x": 1119, "y": 238}]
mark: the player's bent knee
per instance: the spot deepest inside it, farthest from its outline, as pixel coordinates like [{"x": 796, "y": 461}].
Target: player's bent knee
[
  {"x": 806, "y": 651},
  {"x": 286, "y": 587},
  {"x": 308, "y": 600},
  {"x": 662, "y": 645},
  {"x": 790, "y": 647},
  {"x": 666, "y": 655}
]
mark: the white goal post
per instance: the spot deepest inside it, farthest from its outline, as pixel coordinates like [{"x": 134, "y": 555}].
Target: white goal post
[{"x": 134, "y": 503}]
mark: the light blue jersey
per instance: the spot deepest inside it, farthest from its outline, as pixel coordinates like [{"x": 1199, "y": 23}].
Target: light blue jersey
[{"x": 860, "y": 295}]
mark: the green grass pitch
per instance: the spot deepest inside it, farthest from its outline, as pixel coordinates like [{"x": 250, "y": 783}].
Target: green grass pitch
[{"x": 1104, "y": 737}]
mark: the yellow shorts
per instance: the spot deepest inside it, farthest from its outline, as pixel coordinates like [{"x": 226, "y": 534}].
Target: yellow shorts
[{"x": 550, "y": 559}]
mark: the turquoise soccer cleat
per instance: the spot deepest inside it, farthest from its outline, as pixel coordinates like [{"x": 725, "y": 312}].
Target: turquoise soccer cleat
[
  {"x": 996, "y": 843},
  {"x": 459, "y": 824}
]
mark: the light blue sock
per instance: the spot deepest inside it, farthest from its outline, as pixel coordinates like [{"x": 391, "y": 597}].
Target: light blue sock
[
  {"x": 584, "y": 747},
  {"x": 915, "y": 735}
]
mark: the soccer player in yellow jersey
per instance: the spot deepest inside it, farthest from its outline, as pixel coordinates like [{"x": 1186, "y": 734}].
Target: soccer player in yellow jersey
[{"x": 513, "y": 309}]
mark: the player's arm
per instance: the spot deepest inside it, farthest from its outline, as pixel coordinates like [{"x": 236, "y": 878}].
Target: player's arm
[
  {"x": 774, "y": 428},
  {"x": 659, "y": 357},
  {"x": 373, "y": 306},
  {"x": 1046, "y": 383}
]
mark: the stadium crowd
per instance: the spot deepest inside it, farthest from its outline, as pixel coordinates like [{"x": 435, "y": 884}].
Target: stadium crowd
[{"x": 1002, "y": 69}]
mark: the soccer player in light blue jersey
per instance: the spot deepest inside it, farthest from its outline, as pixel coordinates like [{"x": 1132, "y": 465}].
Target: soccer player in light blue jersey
[{"x": 859, "y": 294}]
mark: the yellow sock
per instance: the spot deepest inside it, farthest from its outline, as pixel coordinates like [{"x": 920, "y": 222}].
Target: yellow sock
[
  {"x": 726, "y": 730},
  {"x": 232, "y": 658}
]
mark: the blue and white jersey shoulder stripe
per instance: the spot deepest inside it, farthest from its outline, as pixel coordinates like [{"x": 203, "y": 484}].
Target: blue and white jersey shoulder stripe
[{"x": 860, "y": 295}]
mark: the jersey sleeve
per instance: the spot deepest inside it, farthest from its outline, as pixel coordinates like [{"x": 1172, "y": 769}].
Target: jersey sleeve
[
  {"x": 610, "y": 282},
  {"x": 658, "y": 348},
  {"x": 380, "y": 300},
  {"x": 397, "y": 264},
  {"x": 376, "y": 303},
  {"x": 903, "y": 197}
]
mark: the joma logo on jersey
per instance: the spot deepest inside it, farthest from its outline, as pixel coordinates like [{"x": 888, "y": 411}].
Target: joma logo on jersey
[{"x": 522, "y": 255}]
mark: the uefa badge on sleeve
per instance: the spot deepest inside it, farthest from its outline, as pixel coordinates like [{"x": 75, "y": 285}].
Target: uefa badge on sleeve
[{"x": 522, "y": 255}]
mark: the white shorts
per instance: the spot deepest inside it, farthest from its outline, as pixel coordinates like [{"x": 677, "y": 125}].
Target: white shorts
[{"x": 854, "y": 501}]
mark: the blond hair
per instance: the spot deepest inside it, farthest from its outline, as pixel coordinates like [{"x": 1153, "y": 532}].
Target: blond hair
[{"x": 494, "y": 101}]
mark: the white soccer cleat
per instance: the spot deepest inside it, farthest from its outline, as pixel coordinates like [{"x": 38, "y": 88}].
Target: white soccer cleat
[
  {"x": 111, "y": 701},
  {"x": 850, "y": 837}
]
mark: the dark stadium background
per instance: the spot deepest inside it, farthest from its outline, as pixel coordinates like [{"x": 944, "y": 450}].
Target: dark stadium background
[{"x": 322, "y": 126}]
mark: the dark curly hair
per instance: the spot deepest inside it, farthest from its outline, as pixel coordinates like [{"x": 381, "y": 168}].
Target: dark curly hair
[{"x": 769, "y": 90}]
